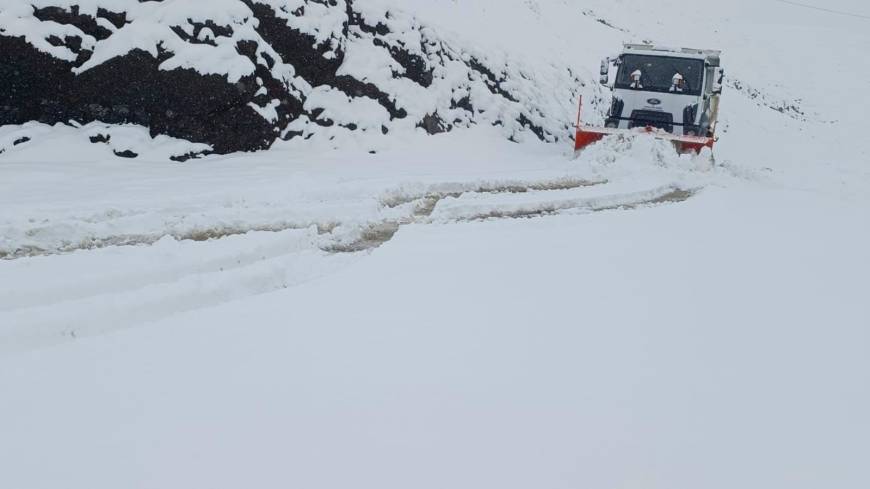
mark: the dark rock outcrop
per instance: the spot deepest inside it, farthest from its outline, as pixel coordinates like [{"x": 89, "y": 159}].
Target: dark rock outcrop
[{"x": 277, "y": 95}]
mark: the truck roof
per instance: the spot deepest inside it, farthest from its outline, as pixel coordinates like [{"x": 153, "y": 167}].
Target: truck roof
[{"x": 709, "y": 55}]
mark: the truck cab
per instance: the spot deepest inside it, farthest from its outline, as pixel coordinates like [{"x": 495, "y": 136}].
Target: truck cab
[{"x": 675, "y": 90}]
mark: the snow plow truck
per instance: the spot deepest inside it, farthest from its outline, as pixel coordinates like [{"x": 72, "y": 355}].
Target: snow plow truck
[{"x": 666, "y": 93}]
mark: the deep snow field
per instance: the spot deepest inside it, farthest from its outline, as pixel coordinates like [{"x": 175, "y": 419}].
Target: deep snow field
[{"x": 459, "y": 310}]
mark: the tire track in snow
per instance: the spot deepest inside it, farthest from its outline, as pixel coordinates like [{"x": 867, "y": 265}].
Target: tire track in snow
[
  {"x": 195, "y": 231},
  {"x": 430, "y": 209},
  {"x": 105, "y": 270},
  {"x": 480, "y": 212},
  {"x": 108, "y": 311},
  {"x": 149, "y": 283}
]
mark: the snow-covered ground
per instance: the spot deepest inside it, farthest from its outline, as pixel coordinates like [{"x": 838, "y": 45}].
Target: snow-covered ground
[{"x": 460, "y": 310}]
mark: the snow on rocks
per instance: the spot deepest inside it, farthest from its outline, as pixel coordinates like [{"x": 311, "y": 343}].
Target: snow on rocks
[
  {"x": 124, "y": 141},
  {"x": 239, "y": 74}
]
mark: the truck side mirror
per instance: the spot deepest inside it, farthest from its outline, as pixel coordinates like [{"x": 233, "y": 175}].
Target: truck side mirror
[
  {"x": 718, "y": 80},
  {"x": 605, "y": 71}
]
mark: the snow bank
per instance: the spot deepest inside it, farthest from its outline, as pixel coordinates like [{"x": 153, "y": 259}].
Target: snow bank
[{"x": 41, "y": 141}]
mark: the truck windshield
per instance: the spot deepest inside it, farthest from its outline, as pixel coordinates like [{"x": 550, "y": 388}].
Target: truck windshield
[{"x": 657, "y": 73}]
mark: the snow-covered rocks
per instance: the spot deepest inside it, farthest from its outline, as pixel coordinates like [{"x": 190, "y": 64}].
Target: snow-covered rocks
[
  {"x": 121, "y": 140},
  {"x": 239, "y": 74}
]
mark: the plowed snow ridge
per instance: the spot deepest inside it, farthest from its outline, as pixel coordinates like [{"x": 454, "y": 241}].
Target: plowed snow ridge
[{"x": 122, "y": 293}]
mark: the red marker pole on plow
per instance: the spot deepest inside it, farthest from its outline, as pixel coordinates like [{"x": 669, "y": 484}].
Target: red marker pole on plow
[{"x": 584, "y": 137}]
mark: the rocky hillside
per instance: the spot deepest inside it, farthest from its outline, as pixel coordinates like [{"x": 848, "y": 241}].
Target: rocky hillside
[{"x": 239, "y": 74}]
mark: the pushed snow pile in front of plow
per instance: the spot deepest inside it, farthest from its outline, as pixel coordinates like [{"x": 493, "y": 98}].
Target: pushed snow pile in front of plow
[{"x": 634, "y": 154}]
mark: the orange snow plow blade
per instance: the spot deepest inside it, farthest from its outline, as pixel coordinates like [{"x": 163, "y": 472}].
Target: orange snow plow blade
[{"x": 587, "y": 135}]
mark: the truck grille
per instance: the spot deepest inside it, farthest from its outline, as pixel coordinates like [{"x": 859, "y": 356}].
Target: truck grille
[{"x": 644, "y": 118}]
